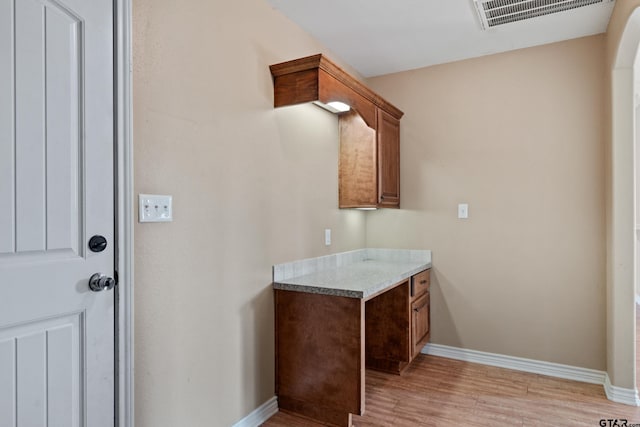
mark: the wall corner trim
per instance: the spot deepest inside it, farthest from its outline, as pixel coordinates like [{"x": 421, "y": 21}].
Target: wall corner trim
[
  {"x": 260, "y": 415},
  {"x": 591, "y": 376},
  {"x": 628, "y": 396}
]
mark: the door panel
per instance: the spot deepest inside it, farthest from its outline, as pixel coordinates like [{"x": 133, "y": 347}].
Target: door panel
[
  {"x": 46, "y": 166},
  {"x": 45, "y": 358},
  {"x": 8, "y": 385},
  {"x": 30, "y": 126},
  {"x": 56, "y": 190},
  {"x": 7, "y": 243},
  {"x": 63, "y": 163},
  {"x": 31, "y": 370}
]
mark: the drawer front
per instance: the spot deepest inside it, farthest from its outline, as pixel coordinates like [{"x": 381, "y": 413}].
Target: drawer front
[
  {"x": 420, "y": 323},
  {"x": 420, "y": 284}
]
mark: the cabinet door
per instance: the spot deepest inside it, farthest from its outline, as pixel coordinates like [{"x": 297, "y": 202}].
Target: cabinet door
[
  {"x": 420, "y": 323},
  {"x": 388, "y": 160},
  {"x": 357, "y": 165}
]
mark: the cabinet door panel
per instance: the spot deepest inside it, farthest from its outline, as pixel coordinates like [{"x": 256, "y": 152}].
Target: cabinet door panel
[
  {"x": 387, "y": 325},
  {"x": 420, "y": 323},
  {"x": 357, "y": 166},
  {"x": 388, "y": 160}
]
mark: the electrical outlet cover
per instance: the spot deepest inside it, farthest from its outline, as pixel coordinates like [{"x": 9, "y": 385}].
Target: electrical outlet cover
[{"x": 463, "y": 211}]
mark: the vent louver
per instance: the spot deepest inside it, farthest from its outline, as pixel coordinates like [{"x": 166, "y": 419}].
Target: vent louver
[{"x": 499, "y": 12}]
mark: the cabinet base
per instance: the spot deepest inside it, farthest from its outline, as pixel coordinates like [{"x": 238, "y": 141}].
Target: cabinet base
[
  {"x": 327, "y": 416},
  {"x": 386, "y": 365}
]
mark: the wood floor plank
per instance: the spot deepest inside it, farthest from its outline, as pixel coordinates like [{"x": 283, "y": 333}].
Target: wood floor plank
[{"x": 436, "y": 391}]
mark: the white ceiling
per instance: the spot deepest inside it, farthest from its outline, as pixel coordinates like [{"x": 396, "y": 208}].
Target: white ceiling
[{"x": 385, "y": 36}]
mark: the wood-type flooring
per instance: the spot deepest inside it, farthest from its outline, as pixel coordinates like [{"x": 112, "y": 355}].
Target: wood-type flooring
[{"x": 435, "y": 391}]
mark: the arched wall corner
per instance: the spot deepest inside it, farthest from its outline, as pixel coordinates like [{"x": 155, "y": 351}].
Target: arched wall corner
[
  {"x": 628, "y": 45},
  {"x": 621, "y": 215}
]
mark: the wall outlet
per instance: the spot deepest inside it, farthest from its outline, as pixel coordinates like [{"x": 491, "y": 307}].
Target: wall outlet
[
  {"x": 155, "y": 208},
  {"x": 327, "y": 236},
  {"x": 463, "y": 211}
]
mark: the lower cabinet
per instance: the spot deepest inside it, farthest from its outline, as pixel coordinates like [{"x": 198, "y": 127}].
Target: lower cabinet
[
  {"x": 323, "y": 343},
  {"x": 397, "y": 324}
]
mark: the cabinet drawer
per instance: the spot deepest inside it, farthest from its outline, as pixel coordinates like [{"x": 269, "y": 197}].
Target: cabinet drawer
[{"x": 420, "y": 284}]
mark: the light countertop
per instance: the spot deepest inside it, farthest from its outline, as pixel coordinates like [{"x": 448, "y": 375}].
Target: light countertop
[{"x": 355, "y": 274}]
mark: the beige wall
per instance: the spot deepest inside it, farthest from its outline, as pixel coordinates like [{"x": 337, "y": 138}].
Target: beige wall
[
  {"x": 518, "y": 136},
  {"x": 252, "y": 186}
]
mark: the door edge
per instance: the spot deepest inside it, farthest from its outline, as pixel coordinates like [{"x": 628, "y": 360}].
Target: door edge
[{"x": 124, "y": 215}]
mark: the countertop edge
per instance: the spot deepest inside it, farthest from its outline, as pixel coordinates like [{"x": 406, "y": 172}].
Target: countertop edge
[{"x": 374, "y": 289}]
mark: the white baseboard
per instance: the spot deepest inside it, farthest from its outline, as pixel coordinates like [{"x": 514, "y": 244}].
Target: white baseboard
[
  {"x": 592, "y": 376},
  {"x": 627, "y": 396},
  {"x": 260, "y": 414}
]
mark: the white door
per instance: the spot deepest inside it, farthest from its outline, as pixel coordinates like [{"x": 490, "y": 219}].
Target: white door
[{"x": 56, "y": 192}]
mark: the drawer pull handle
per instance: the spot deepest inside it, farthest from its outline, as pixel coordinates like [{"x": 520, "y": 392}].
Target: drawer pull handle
[
  {"x": 422, "y": 282},
  {"x": 417, "y": 309}
]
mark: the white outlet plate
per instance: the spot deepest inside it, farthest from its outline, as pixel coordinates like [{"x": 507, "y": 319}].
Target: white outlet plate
[
  {"x": 463, "y": 211},
  {"x": 155, "y": 208}
]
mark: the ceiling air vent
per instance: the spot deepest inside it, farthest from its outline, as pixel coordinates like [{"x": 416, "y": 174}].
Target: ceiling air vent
[{"x": 498, "y": 12}]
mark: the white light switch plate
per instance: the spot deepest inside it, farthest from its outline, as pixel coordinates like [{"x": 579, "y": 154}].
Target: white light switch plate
[
  {"x": 155, "y": 208},
  {"x": 327, "y": 236},
  {"x": 463, "y": 210}
]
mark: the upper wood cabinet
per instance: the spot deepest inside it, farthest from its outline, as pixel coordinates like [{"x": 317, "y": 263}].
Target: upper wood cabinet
[{"x": 369, "y": 164}]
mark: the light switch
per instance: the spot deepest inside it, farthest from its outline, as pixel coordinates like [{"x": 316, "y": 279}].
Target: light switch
[
  {"x": 155, "y": 208},
  {"x": 327, "y": 236},
  {"x": 463, "y": 210}
]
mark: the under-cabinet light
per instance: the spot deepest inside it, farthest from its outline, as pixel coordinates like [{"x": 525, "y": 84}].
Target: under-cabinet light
[
  {"x": 367, "y": 209},
  {"x": 333, "y": 106},
  {"x": 341, "y": 107}
]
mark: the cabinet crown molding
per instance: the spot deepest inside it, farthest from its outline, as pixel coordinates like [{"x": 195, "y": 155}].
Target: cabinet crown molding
[{"x": 316, "y": 78}]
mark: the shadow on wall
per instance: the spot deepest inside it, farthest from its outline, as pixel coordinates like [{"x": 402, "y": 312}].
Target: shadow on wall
[
  {"x": 444, "y": 331},
  {"x": 257, "y": 348}
]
